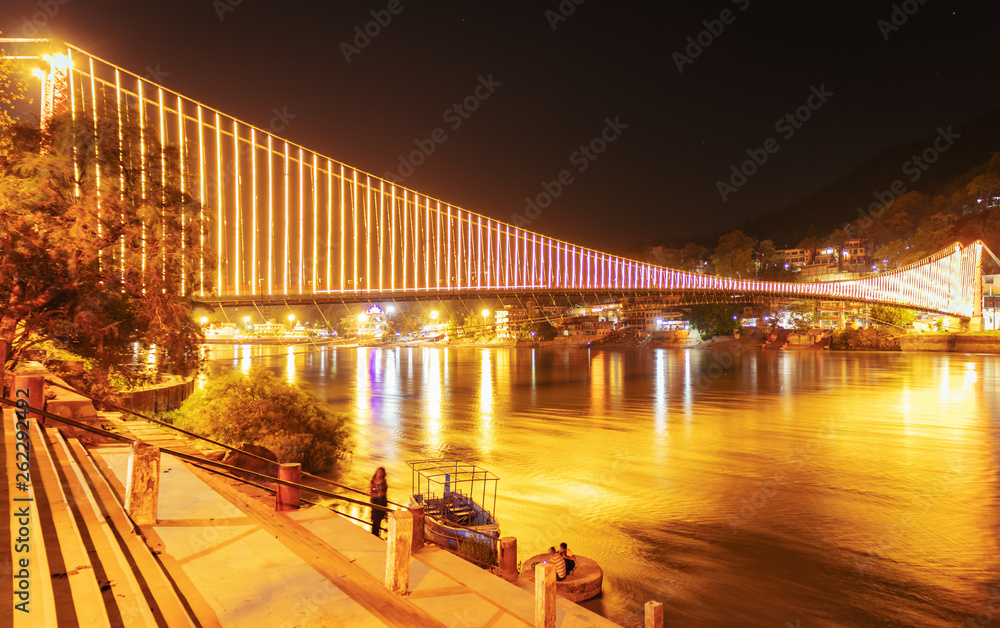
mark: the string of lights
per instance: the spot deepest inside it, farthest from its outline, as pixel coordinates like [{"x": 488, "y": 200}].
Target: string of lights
[{"x": 432, "y": 246}]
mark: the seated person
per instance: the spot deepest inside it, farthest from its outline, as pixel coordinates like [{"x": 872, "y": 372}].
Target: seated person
[
  {"x": 555, "y": 558},
  {"x": 569, "y": 557}
]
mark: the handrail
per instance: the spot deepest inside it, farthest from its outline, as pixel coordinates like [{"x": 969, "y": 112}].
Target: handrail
[
  {"x": 204, "y": 438},
  {"x": 191, "y": 458}
]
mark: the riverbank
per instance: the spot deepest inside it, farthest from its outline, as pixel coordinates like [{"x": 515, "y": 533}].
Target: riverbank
[{"x": 958, "y": 342}]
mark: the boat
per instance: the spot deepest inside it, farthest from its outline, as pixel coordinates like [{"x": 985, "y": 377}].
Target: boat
[{"x": 459, "y": 500}]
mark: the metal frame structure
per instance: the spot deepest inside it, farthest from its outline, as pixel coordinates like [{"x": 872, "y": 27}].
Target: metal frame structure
[
  {"x": 450, "y": 475},
  {"x": 333, "y": 233}
]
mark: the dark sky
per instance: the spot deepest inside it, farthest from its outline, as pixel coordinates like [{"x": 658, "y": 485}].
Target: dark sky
[{"x": 553, "y": 89}]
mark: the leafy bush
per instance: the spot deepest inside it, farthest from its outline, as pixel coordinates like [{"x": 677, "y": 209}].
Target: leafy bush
[
  {"x": 715, "y": 319},
  {"x": 895, "y": 316},
  {"x": 870, "y": 339},
  {"x": 261, "y": 409}
]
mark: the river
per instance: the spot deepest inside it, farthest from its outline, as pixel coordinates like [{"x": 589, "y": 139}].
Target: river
[{"x": 752, "y": 488}]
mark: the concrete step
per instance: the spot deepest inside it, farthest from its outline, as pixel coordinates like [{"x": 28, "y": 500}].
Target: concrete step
[
  {"x": 165, "y": 601},
  {"x": 27, "y": 597},
  {"x": 75, "y": 583},
  {"x": 124, "y": 598}
]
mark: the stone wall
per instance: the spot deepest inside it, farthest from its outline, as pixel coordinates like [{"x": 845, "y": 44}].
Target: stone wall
[
  {"x": 71, "y": 405},
  {"x": 160, "y": 399},
  {"x": 960, "y": 343}
]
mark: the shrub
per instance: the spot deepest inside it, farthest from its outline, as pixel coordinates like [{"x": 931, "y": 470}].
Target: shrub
[
  {"x": 482, "y": 552},
  {"x": 870, "y": 339},
  {"x": 261, "y": 409}
]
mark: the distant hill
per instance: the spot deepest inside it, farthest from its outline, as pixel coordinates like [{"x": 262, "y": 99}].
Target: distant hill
[{"x": 834, "y": 205}]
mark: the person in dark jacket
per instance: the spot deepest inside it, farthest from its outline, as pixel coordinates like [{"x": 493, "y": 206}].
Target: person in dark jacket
[{"x": 378, "y": 489}]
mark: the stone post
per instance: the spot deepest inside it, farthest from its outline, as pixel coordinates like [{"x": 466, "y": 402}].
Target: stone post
[
  {"x": 31, "y": 388},
  {"x": 654, "y": 615},
  {"x": 4, "y": 349},
  {"x": 397, "y": 559},
  {"x": 142, "y": 483},
  {"x": 418, "y": 525},
  {"x": 508, "y": 558},
  {"x": 545, "y": 595},
  {"x": 287, "y": 497}
]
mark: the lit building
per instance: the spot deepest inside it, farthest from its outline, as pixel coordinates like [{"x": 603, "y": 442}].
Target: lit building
[
  {"x": 373, "y": 323},
  {"x": 502, "y": 323},
  {"x": 796, "y": 258},
  {"x": 991, "y": 302}
]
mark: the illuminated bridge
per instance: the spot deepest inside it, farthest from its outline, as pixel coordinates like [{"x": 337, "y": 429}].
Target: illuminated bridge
[{"x": 289, "y": 225}]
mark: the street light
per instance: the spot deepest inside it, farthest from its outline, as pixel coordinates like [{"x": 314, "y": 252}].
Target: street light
[
  {"x": 246, "y": 321},
  {"x": 486, "y": 314},
  {"x": 434, "y": 315}
]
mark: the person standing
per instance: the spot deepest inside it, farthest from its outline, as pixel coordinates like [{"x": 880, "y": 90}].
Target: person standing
[{"x": 378, "y": 490}]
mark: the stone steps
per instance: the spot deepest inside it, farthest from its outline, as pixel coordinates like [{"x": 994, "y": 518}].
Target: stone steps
[{"x": 90, "y": 565}]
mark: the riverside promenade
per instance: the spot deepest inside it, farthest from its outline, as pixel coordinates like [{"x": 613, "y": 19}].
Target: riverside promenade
[
  {"x": 219, "y": 554},
  {"x": 246, "y": 565}
]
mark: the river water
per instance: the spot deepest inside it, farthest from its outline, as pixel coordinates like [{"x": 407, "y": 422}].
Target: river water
[{"x": 751, "y": 489}]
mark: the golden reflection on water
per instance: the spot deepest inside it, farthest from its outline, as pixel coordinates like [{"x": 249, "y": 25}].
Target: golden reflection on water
[
  {"x": 856, "y": 489},
  {"x": 484, "y": 429},
  {"x": 433, "y": 389}
]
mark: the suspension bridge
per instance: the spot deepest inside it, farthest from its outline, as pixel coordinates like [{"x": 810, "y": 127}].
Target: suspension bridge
[{"x": 286, "y": 224}]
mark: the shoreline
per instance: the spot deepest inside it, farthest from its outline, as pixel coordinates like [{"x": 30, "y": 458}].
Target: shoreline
[{"x": 953, "y": 342}]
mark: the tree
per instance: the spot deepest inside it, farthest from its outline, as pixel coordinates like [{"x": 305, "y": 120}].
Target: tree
[
  {"x": 545, "y": 331},
  {"x": 771, "y": 264},
  {"x": 262, "y": 409},
  {"x": 734, "y": 256},
  {"x": 983, "y": 188},
  {"x": 692, "y": 256},
  {"x": 895, "y": 316},
  {"x": 97, "y": 272},
  {"x": 716, "y": 319}
]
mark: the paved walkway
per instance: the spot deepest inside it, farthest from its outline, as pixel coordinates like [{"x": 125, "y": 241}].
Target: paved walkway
[{"x": 241, "y": 563}]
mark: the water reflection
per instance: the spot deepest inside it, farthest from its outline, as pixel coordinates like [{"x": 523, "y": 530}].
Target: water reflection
[
  {"x": 840, "y": 489},
  {"x": 433, "y": 389}
]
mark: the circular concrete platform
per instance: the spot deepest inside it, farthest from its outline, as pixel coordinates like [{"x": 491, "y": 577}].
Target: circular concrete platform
[{"x": 583, "y": 584}]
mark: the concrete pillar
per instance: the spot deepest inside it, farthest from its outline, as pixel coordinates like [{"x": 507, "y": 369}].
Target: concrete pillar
[
  {"x": 654, "y": 615},
  {"x": 418, "y": 525},
  {"x": 545, "y": 595},
  {"x": 974, "y": 324},
  {"x": 287, "y": 497},
  {"x": 142, "y": 483},
  {"x": 508, "y": 558},
  {"x": 397, "y": 559},
  {"x": 30, "y": 388}
]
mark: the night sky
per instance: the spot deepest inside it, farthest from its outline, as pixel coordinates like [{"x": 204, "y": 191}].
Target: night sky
[{"x": 552, "y": 77}]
